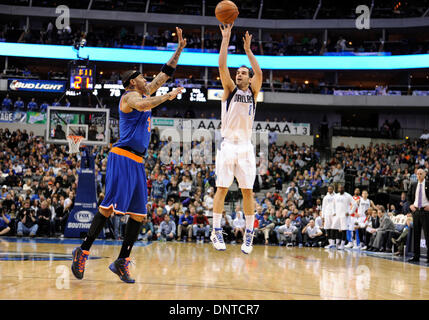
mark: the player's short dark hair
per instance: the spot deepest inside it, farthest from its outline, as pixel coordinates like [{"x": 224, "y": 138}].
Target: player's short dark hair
[{"x": 249, "y": 69}]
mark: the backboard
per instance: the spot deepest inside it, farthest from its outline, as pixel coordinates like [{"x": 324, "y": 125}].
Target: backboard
[{"x": 91, "y": 123}]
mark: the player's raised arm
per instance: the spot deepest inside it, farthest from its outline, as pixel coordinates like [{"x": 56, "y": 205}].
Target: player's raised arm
[
  {"x": 134, "y": 100},
  {"x": 169, "y": 68},
  {"x": 256, "y": 81},
  {"x": 225, "y": 77}
]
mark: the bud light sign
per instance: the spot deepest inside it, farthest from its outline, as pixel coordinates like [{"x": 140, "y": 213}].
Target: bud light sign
[{"x": 36, "y": 85}]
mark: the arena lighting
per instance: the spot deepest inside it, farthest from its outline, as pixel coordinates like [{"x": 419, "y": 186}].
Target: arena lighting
[{"x": 211, "y": 59}]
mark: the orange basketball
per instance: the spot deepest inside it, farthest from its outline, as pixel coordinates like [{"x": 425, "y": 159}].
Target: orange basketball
[{"x": 226, "y": 12}]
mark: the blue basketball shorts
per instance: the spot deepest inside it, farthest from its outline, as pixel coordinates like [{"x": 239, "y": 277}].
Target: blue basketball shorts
[{"x": 126, "y": 184}]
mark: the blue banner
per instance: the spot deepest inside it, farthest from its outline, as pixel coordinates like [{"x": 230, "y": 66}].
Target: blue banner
[
  {"x": 7, "y": 116},
  {"x": 36, "y": 85},
  {"x": 85, "y": 206},
  {"x": 412, "y": 61}
]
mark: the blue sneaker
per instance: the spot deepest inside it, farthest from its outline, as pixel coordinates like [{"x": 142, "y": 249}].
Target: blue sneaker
[
  {"x": 217, "y": 239},
  {"x": 120, "y": 267},
  {"x": 247, "y": 245},
  {"x": 79, "y": 259}
]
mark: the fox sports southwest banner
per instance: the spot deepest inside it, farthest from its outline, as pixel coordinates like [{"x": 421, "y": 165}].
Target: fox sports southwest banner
[{"x": 36, "y": 85}]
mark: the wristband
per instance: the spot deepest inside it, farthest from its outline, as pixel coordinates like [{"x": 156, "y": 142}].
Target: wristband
[{"x": 169, "y": 71}]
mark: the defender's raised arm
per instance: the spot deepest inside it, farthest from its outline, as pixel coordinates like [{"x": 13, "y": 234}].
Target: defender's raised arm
[
  {"x": 169, "y": 68},
  {"x": 135, "y": 101}
]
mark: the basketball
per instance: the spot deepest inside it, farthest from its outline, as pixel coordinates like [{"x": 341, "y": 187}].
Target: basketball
[{"x": 226, "y": 12}]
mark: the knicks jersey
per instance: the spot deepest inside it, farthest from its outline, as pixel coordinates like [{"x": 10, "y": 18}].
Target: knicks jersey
[
  {"x": 363, "y": 206},
  {"x": 238, "y": 114},
  {"x": 134, "y": 129}
]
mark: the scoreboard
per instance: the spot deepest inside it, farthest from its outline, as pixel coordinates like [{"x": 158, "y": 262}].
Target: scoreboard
[{"x": 82, "y": 77}]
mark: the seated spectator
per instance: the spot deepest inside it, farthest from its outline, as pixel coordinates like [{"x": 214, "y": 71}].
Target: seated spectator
[
  {"x": 44, "y": 219},
  {"x": 119, "y": 223},
  {"x": 404, "y": 205},
  {"x": 313, "y": 236},
  {"x": 400, "y": 241},
  {"x": 8, "y": 202},
  {"x": 185, "y": 188},
  {"x": 201, "y": 225},
  {"x": 381, "y": 243},
  {"x": 4, "y": 222},
  {"x": 264, "y": 227},
  {"x": 27, "y": 223},
  {"x": 157, "y": 219},
  {"x": 286, "y": 234},
  {"x": 371, "y": 225},
  {"x": 146, "y": 230},
  {"x": 185, "y": 224},
  {"x": 226, "y": 225},
  {"x": 173, "y": 190},
  {"x": 159, "y": 190},
  {"x": 167, "y": 229},
  {"x": 239, "y": 224}
]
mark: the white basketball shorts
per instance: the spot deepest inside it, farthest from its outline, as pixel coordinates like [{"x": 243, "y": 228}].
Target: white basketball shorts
[
  {"x": 235, "y": 160},
  {"x": 340, "y": 223},
  {"x": 329, "y": 222}
]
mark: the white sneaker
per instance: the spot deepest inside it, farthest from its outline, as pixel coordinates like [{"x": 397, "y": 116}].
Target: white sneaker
[
  {"x": 328, "y": 246},
  {"x": 364, "y": 248},
  {"x": 340, "y": 247},
  {"x": 349, "y": 245},
  {"x": 247, "y": 245},
  {"x": 217, "y": 239}
]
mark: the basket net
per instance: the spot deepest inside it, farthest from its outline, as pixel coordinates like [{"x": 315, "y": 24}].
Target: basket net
[{"x": 74, "y": 143}]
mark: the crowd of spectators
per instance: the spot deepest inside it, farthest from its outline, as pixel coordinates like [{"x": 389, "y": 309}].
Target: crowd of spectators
[
  {"x": 271, "y": 43},
  {"x": 271, "y": 9},
  {"x": 39, "y": 187}
]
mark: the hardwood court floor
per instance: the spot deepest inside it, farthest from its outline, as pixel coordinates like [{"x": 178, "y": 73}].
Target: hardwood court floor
[{"x": 34, "y": 269}]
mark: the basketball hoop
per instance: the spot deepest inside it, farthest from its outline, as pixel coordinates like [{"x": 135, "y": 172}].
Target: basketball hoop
[{"x": 74, "y": 143}]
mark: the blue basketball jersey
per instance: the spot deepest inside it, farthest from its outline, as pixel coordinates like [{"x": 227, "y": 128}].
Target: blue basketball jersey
[{"x": 134, "y": 129}]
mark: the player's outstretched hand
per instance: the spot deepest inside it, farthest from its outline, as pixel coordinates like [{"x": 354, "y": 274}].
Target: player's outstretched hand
[
  {"x": 180, "y": 40},
  {"x": 247, "y": 40},
  {"x": 226, "y": 29},
  {"x": 174, "y": 93}
]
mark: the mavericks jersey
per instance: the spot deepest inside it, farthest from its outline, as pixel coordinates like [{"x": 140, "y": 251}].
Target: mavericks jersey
[
  {"x": 238, "y": 113},
  {"x": 134, "y": 129},
  {"x": 363, "y": 206}
]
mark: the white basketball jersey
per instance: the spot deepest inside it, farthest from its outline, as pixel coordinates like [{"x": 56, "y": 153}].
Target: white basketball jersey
[
  {"x": 238, "y": 113},
  {"x": 363, "y": 206}
]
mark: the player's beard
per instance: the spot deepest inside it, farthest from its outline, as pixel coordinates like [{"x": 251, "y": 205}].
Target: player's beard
[{"x": 145, "y": 90}]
